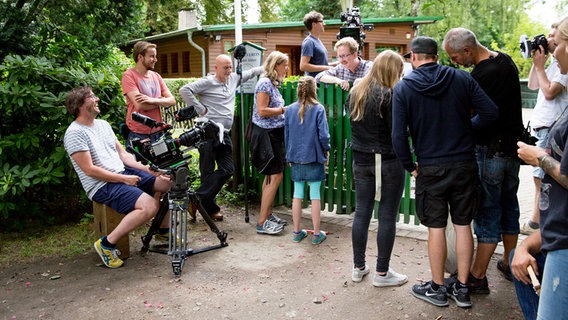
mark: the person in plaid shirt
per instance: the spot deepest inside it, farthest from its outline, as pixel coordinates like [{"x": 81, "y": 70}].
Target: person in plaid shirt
[{"x": 350, "y": 67}]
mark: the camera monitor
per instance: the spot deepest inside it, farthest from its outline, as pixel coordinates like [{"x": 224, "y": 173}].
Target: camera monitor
[{"x": 353, "y": 32}]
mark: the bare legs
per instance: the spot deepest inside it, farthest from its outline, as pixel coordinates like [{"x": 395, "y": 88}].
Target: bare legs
[
  {"x": 269, "y": 188},
  {"x": 437, "y": 252}
]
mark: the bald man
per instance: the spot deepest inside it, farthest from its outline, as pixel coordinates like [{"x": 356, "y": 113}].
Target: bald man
[{"x": 214, "y": 97}]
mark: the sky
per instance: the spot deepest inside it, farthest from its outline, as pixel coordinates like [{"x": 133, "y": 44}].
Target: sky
[{"x": 544, "y": 12}]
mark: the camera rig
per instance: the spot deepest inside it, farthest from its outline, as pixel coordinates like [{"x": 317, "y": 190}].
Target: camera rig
[
  {"x": 527, "y": 46},
  {"x": 353, "y": 26},
  {"x": 170, "y": 156}
]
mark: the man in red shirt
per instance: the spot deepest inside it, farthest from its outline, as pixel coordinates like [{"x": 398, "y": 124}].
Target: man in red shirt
[{"x": 144, "y": 89}]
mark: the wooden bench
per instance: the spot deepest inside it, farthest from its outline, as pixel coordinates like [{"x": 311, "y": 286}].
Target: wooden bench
[{"x": 106, "y": 219}]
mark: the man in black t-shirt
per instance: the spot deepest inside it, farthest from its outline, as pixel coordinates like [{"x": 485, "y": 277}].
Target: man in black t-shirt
[{"x": 498, "y": 216}]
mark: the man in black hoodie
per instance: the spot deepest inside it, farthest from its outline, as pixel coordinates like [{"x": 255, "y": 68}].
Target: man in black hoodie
[{"x": 434, "y": 105}]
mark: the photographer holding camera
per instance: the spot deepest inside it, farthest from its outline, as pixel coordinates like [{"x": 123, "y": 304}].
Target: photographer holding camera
[
  {"x": 214, "y": 97},
  {"x": 551, "y": 102},
  {"x": 109, "y": 174}
]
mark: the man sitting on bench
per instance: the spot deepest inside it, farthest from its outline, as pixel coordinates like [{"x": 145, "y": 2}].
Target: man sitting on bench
[{"x": 109, "y": 174}]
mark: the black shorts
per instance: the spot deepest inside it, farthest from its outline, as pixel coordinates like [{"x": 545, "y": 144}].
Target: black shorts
[
  {"x": 453, "y": 185},
  {"x": 278, "y": 163}
]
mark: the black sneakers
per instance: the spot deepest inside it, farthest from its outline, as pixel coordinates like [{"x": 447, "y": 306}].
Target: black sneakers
[
  {"x": 474, "y": 285},
  {"x": 425, "y": 292},
  {"x": 460, "y": 296},
  {"x": 477, "y": 286}
]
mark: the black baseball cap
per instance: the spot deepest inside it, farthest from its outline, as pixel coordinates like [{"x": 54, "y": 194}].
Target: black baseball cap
[{"x": 423, "y": 45}]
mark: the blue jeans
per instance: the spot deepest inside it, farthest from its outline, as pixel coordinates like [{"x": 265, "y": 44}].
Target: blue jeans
[
  {"x": 542, "y": 136},
  {"x": 499, "y": 210},
  {"x": 216, "y": 167},
  {"x": 553, "y": 302},
  {"x": 391, "y": 193},
  {"x": 528, "y": 299}
]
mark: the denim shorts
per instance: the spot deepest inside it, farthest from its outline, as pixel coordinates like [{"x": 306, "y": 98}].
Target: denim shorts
[
  {"x": 499, "y": 210},
  {"x": 301, "y": 172},
  {"x": 453, "y": 185},
  {"x": 542, "y": 136},
  {"x": 122, "y": 197}
]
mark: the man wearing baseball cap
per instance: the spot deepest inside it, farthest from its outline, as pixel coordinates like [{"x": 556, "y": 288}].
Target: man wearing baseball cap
[
  {"x": 434, "y": 102},
  {"x": 422, "y": 45}
]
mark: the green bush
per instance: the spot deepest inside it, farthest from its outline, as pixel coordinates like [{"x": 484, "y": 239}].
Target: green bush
[{"x": 38, "y": 184}]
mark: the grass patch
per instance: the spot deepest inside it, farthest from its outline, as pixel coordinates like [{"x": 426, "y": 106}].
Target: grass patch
[{"x": 54, "y": 241}]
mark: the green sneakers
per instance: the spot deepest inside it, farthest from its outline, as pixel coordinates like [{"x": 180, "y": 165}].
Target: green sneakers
[
  {"x": 317, "y": 239},
  {"x": 297, "y": 237}
]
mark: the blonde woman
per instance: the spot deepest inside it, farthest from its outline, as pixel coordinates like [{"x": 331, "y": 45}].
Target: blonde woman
[
  {"x": 307, "y": 148},
  {"x": 267, "y": 138},
  {"x": 377, "y": 173}
]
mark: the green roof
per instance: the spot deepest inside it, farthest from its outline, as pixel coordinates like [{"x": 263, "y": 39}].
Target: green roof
[{"x": 288, "y": 24}]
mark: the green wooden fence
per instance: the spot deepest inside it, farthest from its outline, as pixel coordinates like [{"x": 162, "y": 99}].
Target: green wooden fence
[{"x": 338, "y": 191}]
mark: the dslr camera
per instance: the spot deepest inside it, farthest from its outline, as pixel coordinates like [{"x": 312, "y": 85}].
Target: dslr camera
[{"x": 527, "y": 45}]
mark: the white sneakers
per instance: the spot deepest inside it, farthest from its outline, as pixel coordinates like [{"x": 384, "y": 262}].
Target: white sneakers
[
  {"x": 358, "y": 274},
  {"x": 391, "y": 279}
]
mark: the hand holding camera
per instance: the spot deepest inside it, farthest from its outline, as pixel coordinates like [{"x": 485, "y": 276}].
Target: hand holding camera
[{"x": 527, "y": 46}]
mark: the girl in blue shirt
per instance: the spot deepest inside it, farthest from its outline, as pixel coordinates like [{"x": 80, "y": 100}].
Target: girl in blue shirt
[{"x": 306, "y": 135}]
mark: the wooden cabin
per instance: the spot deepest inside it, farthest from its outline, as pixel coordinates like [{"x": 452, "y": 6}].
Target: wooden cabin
[{"x": 190, "y": 51}]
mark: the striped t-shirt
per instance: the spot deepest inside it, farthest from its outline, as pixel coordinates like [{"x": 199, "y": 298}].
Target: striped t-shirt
[{"x": 100, "y": 141}]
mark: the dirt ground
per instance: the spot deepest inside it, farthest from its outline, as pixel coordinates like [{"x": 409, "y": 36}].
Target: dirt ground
[{"x": 256, "y": 276}]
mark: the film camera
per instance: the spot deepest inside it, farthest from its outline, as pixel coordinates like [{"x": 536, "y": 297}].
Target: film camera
[
  {"x": 167, "y": 154},
  {"x": 353, "y": 26},
  {"x": 527, "y": 45},
  {"x": 161, "y": 148}
]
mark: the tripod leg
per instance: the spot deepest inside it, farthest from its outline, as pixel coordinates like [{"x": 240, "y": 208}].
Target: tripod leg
[
  {"x": 221, "y": 235},
  {"x": 156, "y": 222},
  {"x": 178, "y": 234}
]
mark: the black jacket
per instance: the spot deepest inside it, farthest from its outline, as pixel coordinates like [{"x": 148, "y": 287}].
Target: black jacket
[{"x": 372, "y": 134}]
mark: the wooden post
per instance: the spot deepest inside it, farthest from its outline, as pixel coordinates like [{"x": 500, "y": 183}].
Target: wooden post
[{"x": 106, "y": 219}]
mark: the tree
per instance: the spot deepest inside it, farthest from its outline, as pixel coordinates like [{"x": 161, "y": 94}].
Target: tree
[
  {"x": 294, "y": 10},
  {"x": 37, "y": 26},
  {"x": 161, "y": 15},
  {"x": 61, "y": 49}
]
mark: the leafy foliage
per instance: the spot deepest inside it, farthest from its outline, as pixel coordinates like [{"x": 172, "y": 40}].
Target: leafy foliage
[
  {"x": 36, "y": 175},
  {"x": 162, "y": 15},
  {"x": 294, "y": 10},
  {"x": 37, "y": 26}
]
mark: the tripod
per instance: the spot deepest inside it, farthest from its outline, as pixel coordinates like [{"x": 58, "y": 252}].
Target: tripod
[{"x": 177, "y": 201}]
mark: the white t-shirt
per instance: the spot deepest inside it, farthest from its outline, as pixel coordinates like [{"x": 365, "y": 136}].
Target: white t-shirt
[
  {"x": 547, "y": 111},
  {"x": 100, "y": 141}
]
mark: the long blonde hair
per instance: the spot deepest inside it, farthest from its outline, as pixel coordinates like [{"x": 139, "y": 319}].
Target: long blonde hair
[
  {"x": 307, "y": 95},
  {"x": 386, "y": 71},
  {"x": 562, "y": 29},
  {"x": 274, "y": 59}
]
